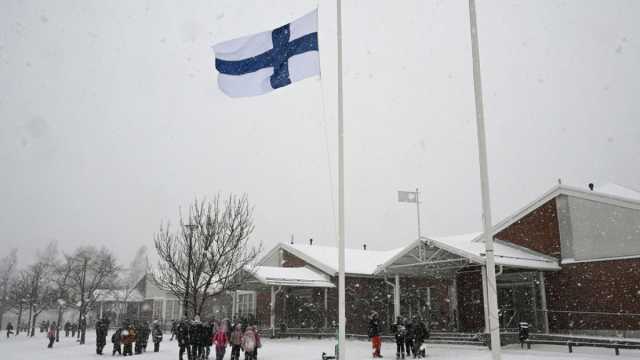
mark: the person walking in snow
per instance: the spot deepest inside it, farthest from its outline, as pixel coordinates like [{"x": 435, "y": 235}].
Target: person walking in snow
[
  {"x": 422, "y": 333},
  {"x": 67, "y": 328},
  {"x": 182, "y": 335},
  {"x": 174, "y": 329},
  {"x": 207, "y": 336},
  {"x": 374, "y": 334},
  {"x": 127, "y": 339},
  {"x": 156, "y": 336},
  {"x": 220, "y": 340},
  {"x": 249, "y": 343},
  {"x": 9, "y": 329},
  {"x": 102, "y": 330},
  {"x": 116, "y": 340},
  {"x": 399, "y": 332},
  {"x": 196, "y": 331},
  {"x": 144, "y": 338},
  {"x": 235, "y": 341},
  {"x": 410, "y": 335},
  {"x": 52, "y": 334}
]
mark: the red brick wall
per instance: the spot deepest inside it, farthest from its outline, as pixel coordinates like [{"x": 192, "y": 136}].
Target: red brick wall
[
  {"x": 470, "y": 302},
  {"x": 290, "y": 260},
  {"x": 603, "y": 286},
  {"x": 537, "y": 230}
]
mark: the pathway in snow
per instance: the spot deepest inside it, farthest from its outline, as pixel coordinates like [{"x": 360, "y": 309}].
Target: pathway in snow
[{"x": 22, "y": 348}]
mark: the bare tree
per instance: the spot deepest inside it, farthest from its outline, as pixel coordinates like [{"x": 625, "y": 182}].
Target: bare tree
[
  {"x": 91, "y": 269},
  {"x": 62, "y": 280},
  {"x": 19, "y": 292},
  {"x": 208, "y": 253},
  {"x": 7, "y": 276},
  {"x": 39, "y": 279}
]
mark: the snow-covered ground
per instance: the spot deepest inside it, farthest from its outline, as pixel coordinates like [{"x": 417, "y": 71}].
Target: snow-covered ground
[{"x": 21, "y": 348}]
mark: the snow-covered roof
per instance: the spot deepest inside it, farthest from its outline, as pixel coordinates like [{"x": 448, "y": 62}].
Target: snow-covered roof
[
  {"x": 290, "y": 276},
  {"x": 325, "y": 258},
  {"x": 616, "y": 190},
  {"x": 118, "y": 295},
  {"x": 608, "y": 193},
  {"x": 506, "y": 254}
]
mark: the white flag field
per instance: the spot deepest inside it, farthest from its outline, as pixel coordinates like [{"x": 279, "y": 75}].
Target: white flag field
[
  {"x": 257, "y": 64},
  {"x": 407, "y": 196}
]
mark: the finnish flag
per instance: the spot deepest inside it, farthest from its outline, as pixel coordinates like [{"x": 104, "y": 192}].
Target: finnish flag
[{"x": 257, "y": 64}]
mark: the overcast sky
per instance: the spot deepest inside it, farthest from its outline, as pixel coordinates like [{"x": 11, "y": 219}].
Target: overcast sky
[{"x": 111, "y": 119}]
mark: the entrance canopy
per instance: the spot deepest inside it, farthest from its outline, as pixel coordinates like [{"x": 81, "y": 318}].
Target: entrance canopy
[
  {"x": 289, "y": 276},
  {"x": 445, "y": 255}
]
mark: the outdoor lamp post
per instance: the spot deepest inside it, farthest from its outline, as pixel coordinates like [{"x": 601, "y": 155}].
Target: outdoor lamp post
[{"x": 61, "y": 304}]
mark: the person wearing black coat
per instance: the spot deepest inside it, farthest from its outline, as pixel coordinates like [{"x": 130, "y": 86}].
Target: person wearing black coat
[
  {"x": 207, "y": 338},
  {"x": 116, "y": 341},
  {"x": 197, "y": 343},
  {"x": 400, "y": 333},
  {"x": 9, "y": 329},
  {"x": 410, "y": 336},
  {"x": 183, "y": 336},
  {"x": 422, "y": 333},
  {"x": 144, "y": 338},
  {"x": 102, "y": 329}
]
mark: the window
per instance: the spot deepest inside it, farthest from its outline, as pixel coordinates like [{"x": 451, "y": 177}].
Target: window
[
  {"x": 157, "y": 310},
  {"x": 172, "y": 310},
  {"x": 246, "y": 303}
]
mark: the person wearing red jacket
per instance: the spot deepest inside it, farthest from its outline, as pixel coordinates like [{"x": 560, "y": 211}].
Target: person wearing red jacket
[{"x": 220, "y": 340}]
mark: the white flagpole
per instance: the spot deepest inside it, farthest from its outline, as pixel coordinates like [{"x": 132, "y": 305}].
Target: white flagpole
[
  {"x": 494, "y": 325},
  {"x": 342, "y": 353}
]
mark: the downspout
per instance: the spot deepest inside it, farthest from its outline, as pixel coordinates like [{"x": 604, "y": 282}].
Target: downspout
[{"x": 393, "y": 286}]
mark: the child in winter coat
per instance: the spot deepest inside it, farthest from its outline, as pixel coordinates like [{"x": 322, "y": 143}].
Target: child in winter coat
[
  {"x": 52, "y": 334},
  {"x": 156, "y": 335},
  {"x": 374, "y": 334},
  {"x": 249, "y": 343},
  {"x": 115, "y": 339},
  {"x": 128, "y": 338},
  {"x": 220, "y": 340},
  {"x": 235, "y": 341},
  {"x": 400, "y": 333}
]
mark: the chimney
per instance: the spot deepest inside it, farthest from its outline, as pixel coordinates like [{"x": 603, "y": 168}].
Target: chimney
[
  {"x": 591, "y": 186},
  {"x": 311, "y": 241},
  {"x": 291, "y": 239},
  {"x": 364, "y": 246}
]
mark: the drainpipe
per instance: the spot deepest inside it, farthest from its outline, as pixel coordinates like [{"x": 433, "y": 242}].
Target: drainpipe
[
  {"x": 499, "y": 271},
  {"x": 396, "y": 294},
  {"x": 274, "y": 292}
]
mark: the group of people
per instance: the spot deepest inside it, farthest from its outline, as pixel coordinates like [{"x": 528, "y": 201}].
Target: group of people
[
  {"x": 131, "y": 338},
  {"x": 196, "y": 339},
  {"x": 409, "y": 335}
]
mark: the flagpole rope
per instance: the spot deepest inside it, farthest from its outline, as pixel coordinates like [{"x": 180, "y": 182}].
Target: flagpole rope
[{"x": 326, "y": 147}]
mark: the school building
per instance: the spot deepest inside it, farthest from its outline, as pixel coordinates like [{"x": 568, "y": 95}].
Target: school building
[{"x": 568, "y": 262}]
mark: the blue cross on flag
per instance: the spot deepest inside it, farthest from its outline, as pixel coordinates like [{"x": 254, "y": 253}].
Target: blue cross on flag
[{"x": 257, "y": 64}]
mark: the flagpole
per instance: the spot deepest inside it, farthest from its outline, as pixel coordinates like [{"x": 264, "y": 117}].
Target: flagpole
[
  {"x": 494, "y": 325},
  {"x": 341, "y": 233},
  {"x": 418, "y": 211}
]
